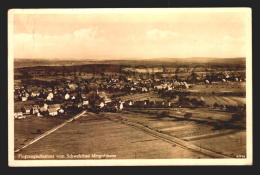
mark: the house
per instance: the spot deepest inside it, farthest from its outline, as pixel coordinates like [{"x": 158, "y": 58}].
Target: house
[
  {"x": 130, "y": 103},
  {"x": 24, "y": 98},
  {"x": 60, "y": 88},
  {"x": 101, "y": 104},
  {"x": 169, "y": 88},
  {"x": 49, "y": 89},
  {"x": 85, "y": 102},
  {"x": 26, "y": 94},
  {"x": 133, "y": 89},
  {"x": 27, "y": 109},
  {"x": 103, "y": 95},
  {"x": 18, "y": 114},
  {"x": 35, "y": 109},
  {"x": 207, "y": 81},
  {"x": 55, "y": 106},
  {"x": 72, "y": 86},
  {"x": 73, "y": 96},
  {"x": 158, "y": 87},
  {"x": 61, "y": 111},
  {"x": 186, "y": 85},
  {"x": 67, "y": 96},
  {"x": 55, "y": 91},
  {"x": 84, "y": 96},
  {"x": 35, "y": 94},
  {"x": 144, "y": 89},
  {"x": 121, "y": 105},
  {"x": 52, "y": 112},
  {"x": 43, "y": 108},
  {"x": 79, "y": 104},
  {"x": 50, "y": 96}
]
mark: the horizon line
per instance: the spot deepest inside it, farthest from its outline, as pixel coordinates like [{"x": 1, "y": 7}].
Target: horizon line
[{"x": 203, "y": 57}]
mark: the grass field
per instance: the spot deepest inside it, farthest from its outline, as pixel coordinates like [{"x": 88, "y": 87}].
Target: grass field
[
  {"x": 31, "y": 127},
  {"x": 205, "y": 128},
  {"x": 221, "y": 100},
  {"x": 94, "y": 134},
  {"x": 141, "y": 96},
  {"x": 219, "y": 87}
]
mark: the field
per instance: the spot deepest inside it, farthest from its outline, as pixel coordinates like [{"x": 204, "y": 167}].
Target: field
[
  {"x": 31, "y": 127},
  {"x": 221, "y": 100},
  {"x": 228, "y": 87},
  {"x": 95, "y": 135},
  {"x": 199, "y": 129},
  {"x": 108, "y": 133},
  {"x": 141, "y": 97}
]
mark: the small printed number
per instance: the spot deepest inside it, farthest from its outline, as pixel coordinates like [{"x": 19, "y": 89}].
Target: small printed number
[{"x": 240, "y": 156}]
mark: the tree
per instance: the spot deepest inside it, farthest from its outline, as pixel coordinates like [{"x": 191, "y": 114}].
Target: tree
[
  {"x": 215, "y": 105},
  {"x": 193, "y": 77},
  {"x": 187, "y": 115}
]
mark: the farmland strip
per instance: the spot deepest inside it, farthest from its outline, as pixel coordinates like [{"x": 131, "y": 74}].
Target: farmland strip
[
  {"x": 49, "y": 131},
  {"x": 167, "y": 138},
  {"x": 205, "y": 136},
  {"x": 230, "y": 101},
  {"x": 239, "y": 100}
]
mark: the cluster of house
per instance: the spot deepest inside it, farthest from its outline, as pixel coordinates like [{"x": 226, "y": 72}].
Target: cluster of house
[
  {"x": 148, "y": 104},
  {"x": 39, "y": 110},
  {"x": 60, "y": 100},
  {"x": 226, "y": 80},
  {"x": 76, "y": 95},
  {"x": 172, "y": 85},
  {"x": 142, "y": 86}
]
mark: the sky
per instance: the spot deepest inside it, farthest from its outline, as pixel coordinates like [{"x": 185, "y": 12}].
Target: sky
[{"x": 121, "y": 35}]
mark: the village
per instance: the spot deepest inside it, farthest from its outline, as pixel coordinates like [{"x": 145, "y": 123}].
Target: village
[{"x": 111, "y": 94}]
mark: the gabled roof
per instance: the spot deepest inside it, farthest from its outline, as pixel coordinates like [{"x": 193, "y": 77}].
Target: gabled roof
[
  {"x": 55, "y": 106},
  {"x": 52, "y": 110},
  {"x": 27, "y": 107},
  {"x": 74, "y": 94}
]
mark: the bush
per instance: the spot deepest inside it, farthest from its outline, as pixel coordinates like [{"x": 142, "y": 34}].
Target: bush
[
  {"x": 238, "y": 116},
  {"x": 165, "y": 113},
  {"x": 215, "y": 105},
  {"x": 187, "y": 115}
]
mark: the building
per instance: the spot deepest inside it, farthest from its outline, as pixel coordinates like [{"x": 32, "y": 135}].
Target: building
[
  {"x": 52, "y": 112},
  {"x": 67, "y": 96},
  {"x": 85, "y": 102},
  {"x": 18, "y": 114},
  {"x": 50, "y": 96},
  {"x": 35, "y": 109},
  {"x": 24, "y": 98},
  {"x": 61, "y": 111},
  {"x": 55, "y": 106},
  {"x": 74, "y": 96},
  {"x": 72, "y": 86},
  {"x": 35, "y": 94},
  {"x": 44, "y": 109},
  {"x": 27, "y": 109},
  {"x": 121, "y": 105}
]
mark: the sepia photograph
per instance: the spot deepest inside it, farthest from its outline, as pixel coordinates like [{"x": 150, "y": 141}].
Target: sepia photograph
[{"x": 122, "y": 87}]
